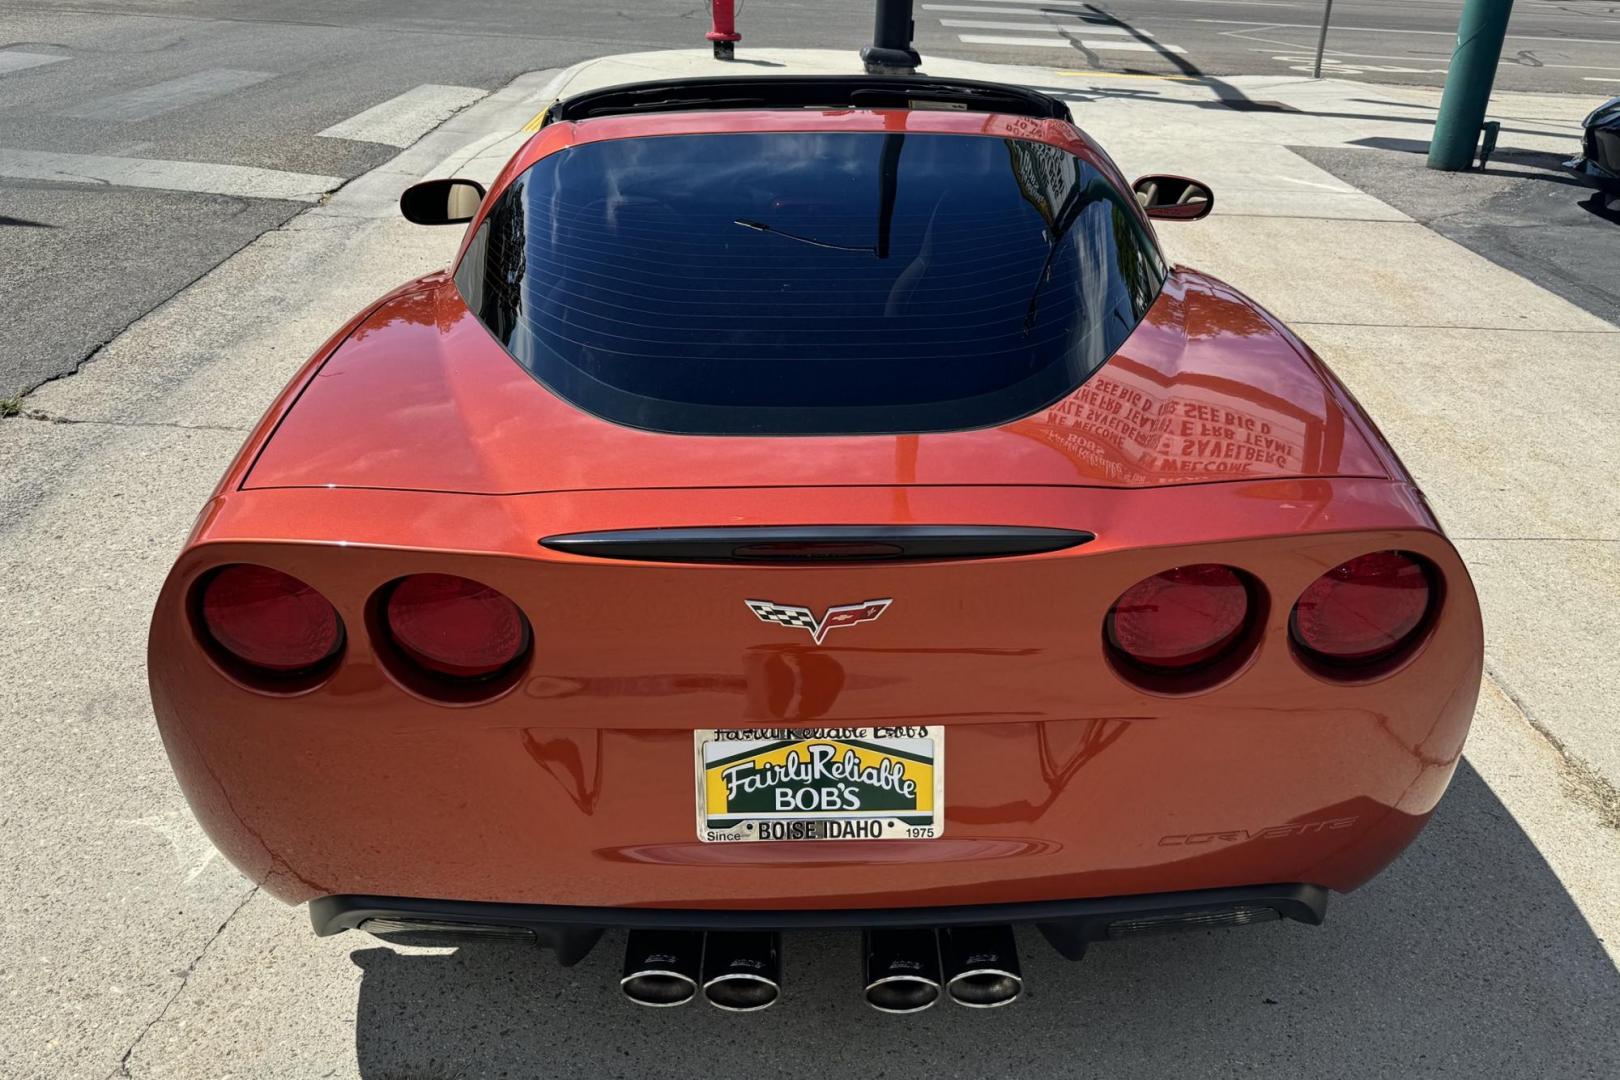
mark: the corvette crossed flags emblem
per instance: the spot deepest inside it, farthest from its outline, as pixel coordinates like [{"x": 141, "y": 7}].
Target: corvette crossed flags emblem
[{"x": 802, "y": 618}]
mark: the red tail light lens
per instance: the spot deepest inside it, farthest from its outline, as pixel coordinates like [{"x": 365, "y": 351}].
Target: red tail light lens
[
  {"x": 269, "y": 619},
  {"x": 1181, "y": 618},
  {"x": 454, "y": 626},
  {"x": 1363, "y": 610}
]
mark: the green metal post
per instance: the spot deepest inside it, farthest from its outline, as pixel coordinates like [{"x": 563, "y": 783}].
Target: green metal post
[{"x": 1468, "y": 83}]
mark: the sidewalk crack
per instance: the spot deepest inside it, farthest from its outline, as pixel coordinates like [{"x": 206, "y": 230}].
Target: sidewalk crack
[
  {"x": 1583, "y": 783},
  {"x": 44, "y": 417},
  {"x": 122, "y": 1068}
]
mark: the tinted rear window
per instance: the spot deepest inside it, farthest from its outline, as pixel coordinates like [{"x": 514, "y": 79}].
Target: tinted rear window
[{"x": 811, "y": 283}]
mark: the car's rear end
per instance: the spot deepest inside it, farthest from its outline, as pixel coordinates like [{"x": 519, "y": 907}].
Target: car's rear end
[
  {"x": 1071, "y": 773},
  {"x": 476, "y": 638}
]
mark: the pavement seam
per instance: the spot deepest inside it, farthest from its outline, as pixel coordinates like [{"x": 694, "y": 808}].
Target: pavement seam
[
  {"x": 1541, "y": 539},
  {"x": 1318, "y": 217},
  {"x": 1448, "y": 326},
  {"x": 122, "y": 1068},
  {"x": 1583, "y": 784}
]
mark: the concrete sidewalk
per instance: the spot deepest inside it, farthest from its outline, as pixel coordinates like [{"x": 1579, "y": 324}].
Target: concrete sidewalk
[{"x": 1489, "y": 949}]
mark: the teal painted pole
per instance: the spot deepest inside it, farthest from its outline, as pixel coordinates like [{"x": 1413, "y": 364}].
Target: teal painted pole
[{"x": 1468, "y": 83}]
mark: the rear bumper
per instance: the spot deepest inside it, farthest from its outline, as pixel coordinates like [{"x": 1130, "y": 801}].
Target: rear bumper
[
  {"x": 574, "y": 785},
  {"x": 1069, "y": 925}
]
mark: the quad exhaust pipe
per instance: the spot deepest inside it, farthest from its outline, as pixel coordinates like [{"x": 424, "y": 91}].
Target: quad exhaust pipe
[
  {"x": 980, "y": 964},
  {"x": 904, "y": 970},
  {"x": 661, "y": 967},
  {"x": 742, "y": 969},
  {"x": 901, "y": 970},
  {"x": 739, "y": 971},
  {"x": 907, "y": 971}
]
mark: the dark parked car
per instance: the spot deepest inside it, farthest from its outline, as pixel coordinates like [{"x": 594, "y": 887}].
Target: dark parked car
[{"x": 1600, "y": 147}]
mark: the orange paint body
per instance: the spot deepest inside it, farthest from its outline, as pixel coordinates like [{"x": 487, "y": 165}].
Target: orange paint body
[{"x": 413, "y": 443}]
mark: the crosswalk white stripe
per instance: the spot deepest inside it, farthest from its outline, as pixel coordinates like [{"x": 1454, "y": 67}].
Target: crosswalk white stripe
[
  {"x": 20, "y": 60},
  {"x": 146, "y": 102},
  {"x": 1337, "y": 29},
  {"x": 243, "y": 181},
  {"x": 1065, "y": 43},
  {"x": 991, "y": 24},
  {"x": 404, "y": 118},
  {"x": 970, "y": 9},
  {"x": 1077, "y": 9}
]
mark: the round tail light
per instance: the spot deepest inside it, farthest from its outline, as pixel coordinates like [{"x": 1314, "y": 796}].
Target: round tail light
[
  {"x": 1364, "y": 610},
  {"x": 1182, "y": 618},
  {"x": 455, "y": 627},
  {"x": 270, "y": 620}
]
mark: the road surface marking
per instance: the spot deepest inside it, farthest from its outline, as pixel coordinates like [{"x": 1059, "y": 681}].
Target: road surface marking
[
  {"x": 149, "y": 101},
  {"x": 239, "y": 180},
  {"x": 1391, "y": 30},
  {"x": 1337, "y": 189},
  {"x": 1066, "y": 43},
  {"x": 18, "y": 60},
  {"x": 990, "y": 24},
  {"x": 1594, "y": 78},
  {"x": 403, "y": 119},
  {"x": 969, "y": 9},
  {"x": 1078, "y": 10},
  {"x": 1334, "y": 64}
]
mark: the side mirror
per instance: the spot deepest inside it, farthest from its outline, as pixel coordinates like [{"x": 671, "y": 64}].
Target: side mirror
[
  {"x": 441, "y": 202},
  {"x": 1173, "y": 198}
]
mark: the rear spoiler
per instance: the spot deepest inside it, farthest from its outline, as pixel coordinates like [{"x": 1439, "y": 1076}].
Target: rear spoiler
[{"x": 808, "y": 92}]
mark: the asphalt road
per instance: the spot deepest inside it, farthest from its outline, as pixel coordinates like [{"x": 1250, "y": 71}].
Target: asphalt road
[
  {"x": 248, "y": 84},
  {"x": 165, "y": 86},
  {"x": 1564, "y": 46}
]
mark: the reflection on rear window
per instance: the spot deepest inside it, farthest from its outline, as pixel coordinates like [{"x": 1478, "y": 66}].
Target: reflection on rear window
[{"x": 820, "y": 283}]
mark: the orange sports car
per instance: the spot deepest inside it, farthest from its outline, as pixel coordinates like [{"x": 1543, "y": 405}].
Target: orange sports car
[{"x": 813, "y": 502}]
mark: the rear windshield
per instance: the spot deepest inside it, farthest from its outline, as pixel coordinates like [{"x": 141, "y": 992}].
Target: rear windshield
[{"x": 811, "y": 283}]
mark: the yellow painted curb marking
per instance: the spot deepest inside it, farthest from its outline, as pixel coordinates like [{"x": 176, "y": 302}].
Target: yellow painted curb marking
[{"x": 538, "y": 119}]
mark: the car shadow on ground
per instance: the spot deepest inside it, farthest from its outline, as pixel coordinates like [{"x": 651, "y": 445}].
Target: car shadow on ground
[{"x": 1466, "y": 957}]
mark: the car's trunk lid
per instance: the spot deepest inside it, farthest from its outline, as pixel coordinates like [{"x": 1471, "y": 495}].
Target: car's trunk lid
[{"x": 1207, "y": 388}]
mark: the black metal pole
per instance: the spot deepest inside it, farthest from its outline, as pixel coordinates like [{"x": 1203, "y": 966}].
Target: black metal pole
[
  {"x": 1321, "y": 41},
  {"x": 890, "y": 52}
]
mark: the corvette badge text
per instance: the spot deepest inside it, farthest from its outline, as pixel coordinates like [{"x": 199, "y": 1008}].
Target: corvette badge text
[{"x": 1274, "y": 832}]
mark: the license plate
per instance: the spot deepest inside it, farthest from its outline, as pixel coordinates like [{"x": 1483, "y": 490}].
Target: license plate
[{"x": 853, "y": 783}]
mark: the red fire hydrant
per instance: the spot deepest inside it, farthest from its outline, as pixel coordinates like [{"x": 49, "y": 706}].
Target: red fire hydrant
[{"x": 724, "y": 35}]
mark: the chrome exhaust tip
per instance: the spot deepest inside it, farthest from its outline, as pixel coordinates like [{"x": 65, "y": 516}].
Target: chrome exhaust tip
[
  {"x": 980, "y": 965},
  {"x": 661, "y": 967},
  {"x": 901, "y": 969},
  {"x": 742, "y": 969}
]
